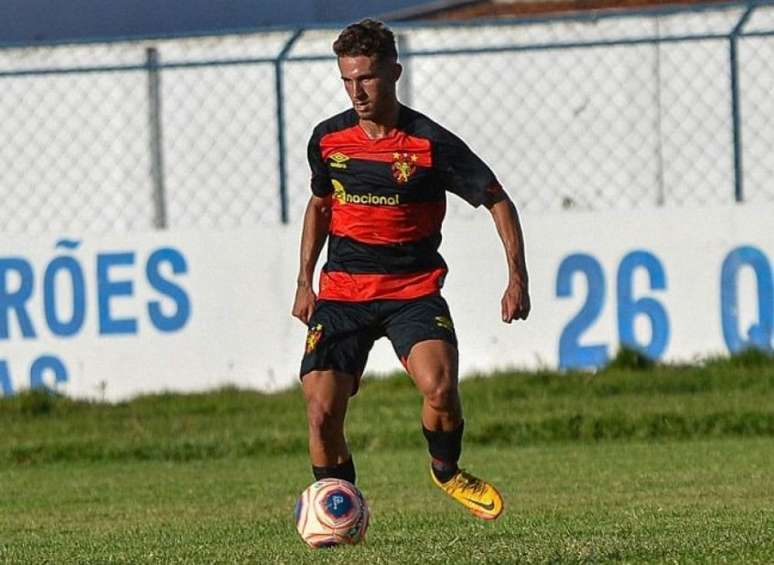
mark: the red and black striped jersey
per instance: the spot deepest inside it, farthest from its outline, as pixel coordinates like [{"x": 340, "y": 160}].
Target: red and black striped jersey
[{"x": 388, "y": 203}]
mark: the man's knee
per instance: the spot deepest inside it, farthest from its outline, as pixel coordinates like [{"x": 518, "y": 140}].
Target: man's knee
[
  {"x": 441, "y": 391},
  {"x": 325, "y": 420},
  {"x": 326, "y": 403}
]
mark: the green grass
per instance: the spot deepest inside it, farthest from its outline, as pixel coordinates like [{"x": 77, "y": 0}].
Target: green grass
[
  {"x": 631, "y": 464},
  {"x": 728, "y": 398},
  {"x": 638, "y": 502}
]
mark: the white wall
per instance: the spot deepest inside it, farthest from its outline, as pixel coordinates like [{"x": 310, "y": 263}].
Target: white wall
[{"x": 240, "y": 284}]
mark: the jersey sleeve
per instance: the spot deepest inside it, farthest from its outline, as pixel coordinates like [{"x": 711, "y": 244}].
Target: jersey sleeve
[
  {"x": 464, "y": 173},
  {"x": 321, "y": 181}
]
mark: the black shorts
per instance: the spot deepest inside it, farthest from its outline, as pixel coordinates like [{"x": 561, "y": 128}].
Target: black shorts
[{"x": 341, "y": 334}]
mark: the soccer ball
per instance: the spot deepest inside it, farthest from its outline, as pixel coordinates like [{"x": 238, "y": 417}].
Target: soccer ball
[{"x": 331, "y": 512}]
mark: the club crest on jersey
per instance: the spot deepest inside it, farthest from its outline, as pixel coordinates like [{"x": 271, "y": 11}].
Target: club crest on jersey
[
  {"x": 338, "y": 160},
  {"x": 313, "y": 337},
  {"x": 403, "y": 166}
]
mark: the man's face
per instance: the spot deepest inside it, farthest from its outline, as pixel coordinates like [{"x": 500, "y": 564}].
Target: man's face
[{"x": 370, "y": 85}]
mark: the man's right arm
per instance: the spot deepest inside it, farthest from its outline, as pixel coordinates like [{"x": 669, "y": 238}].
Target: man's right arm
[{"x": 317, "y": 220}]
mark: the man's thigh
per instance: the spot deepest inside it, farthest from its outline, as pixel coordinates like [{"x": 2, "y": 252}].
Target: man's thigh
[
  {"x": 422, "y": 319},
  {"x": 328, "y": 392},
  {"x": 339, "y": 338}
]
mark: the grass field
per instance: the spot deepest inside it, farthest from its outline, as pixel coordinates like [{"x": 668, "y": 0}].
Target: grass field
[{"x": 664, "y": 464}]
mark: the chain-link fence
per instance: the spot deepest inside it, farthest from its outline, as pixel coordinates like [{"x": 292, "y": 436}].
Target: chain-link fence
[{"x": 636, "y": 110}]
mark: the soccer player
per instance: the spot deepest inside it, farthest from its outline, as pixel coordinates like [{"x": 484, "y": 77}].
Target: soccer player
[{"x": 380, "y": 172}]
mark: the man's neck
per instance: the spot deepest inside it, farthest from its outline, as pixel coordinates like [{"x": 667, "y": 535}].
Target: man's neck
[{"x": 376, "y": 129}]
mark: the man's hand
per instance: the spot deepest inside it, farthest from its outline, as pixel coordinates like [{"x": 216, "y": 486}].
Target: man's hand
[
  {"x": 515, "y": 303},
  {"x": 317, "y": 219},
  {"x": 303, "y": 307}
]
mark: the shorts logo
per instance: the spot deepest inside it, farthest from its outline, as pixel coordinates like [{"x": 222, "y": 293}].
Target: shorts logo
[
  {"x": 403, "y": 166},
  {"x": 444, "y": 322},
  {"x": 313, "y": 337},
  {"x": 338, "y": 160}
]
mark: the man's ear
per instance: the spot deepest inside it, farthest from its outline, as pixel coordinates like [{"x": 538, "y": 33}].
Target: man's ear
[{"x": 397, "y": 71}]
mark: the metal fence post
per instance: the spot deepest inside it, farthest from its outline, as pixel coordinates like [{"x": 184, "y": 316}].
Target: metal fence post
[
  {"x": 661, "y": 196},
  {"x": 735, "y": 113},
  {"x": 281, "y": 140},
  {"x": 156, "y": 139}
]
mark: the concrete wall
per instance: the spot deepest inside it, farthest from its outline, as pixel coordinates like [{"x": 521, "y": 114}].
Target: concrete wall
[{"x": 120, "y": 315}]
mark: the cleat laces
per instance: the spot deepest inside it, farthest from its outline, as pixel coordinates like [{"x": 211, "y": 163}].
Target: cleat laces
[{"x": 472, "y": 483}]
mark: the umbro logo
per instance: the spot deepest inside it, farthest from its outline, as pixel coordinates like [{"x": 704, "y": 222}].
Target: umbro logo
[{"x": 338, "y": 160}]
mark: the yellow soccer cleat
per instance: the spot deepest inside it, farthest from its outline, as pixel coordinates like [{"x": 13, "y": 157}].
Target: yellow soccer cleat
[{"x": 477, "y": 495}]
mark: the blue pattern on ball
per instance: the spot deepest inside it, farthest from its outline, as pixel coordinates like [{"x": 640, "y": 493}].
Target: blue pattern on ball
[
  {"x": 298, "y": 508},
  {"x": 338, "y": 503}
]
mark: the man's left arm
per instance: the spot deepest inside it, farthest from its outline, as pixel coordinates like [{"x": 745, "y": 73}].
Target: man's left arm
[
  {"x": 466, "y": 175},
  {"x": 515, "y": 303}
]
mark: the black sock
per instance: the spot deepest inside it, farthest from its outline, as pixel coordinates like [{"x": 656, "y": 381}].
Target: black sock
[
  {"x": 445, "y": 449},
  {"x": 345, "y": 471},
  {"x": 442, "y": 470}
]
